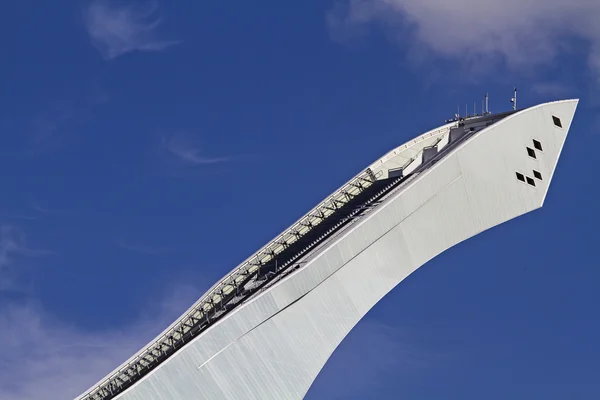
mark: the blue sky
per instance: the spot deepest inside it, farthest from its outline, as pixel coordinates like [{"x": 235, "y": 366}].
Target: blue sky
[{"x": 148, "y": 148}]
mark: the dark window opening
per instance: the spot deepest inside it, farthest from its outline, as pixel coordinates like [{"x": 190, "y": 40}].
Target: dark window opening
[
  {"x": 530, "y": 181},
  {"x": 531, "y": 152},
  {"x": 557, "y": 121},
  {"x": 520, "y": 177},
  {"x": 537, "y": 174},
  {"x": 537, "y": 144}
]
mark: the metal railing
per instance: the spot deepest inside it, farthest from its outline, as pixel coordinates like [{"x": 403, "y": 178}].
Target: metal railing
[{"x": 207, "y": 307}]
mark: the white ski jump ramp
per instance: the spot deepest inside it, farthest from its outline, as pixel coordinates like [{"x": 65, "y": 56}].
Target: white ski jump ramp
[{"x": 266, "y": 330}]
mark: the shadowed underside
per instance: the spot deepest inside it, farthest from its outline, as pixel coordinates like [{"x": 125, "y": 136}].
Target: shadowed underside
[{"x": 266, "y": 330}]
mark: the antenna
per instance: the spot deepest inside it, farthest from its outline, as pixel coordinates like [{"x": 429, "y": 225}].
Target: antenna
[
  {"x": 487, "y": 104},
  {"x": 514, "y": 100}
]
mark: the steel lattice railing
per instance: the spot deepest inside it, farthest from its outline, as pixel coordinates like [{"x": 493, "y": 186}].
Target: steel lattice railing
[
  {"x": 199, "y": 315},
  {"x": 212, "y": 304}
]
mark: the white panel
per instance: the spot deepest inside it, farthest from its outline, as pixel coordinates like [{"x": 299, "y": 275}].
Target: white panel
[{"x": 443, "y": 142}]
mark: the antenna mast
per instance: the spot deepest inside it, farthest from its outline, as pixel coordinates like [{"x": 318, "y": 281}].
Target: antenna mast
[{"x": 514, "y": 100}]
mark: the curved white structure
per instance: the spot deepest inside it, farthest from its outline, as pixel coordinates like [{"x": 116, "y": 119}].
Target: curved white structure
[{"x": 266, "y": 330}]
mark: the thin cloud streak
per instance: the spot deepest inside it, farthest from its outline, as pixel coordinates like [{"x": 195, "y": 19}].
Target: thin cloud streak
[
  {"x": 522, "y": 33},
  {"x": 188, "y": 153},
  {"x": 10, "y": 243},
  {"x": 116, "y": 30},
  {"x": 13, "y": 245},
  {"x": 17, "y": 216}
]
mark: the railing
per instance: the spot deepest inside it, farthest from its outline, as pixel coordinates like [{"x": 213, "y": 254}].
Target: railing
[
  {"x": 200, "y": 314},
  {"x": 208, "y": 307}
]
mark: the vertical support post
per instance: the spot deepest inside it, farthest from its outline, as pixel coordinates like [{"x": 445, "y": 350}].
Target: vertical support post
[
  {"x": 487, "y": 104},
  {"x": 514, "y": 100}
]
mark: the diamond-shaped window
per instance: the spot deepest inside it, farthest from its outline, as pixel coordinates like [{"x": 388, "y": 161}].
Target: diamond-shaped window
[{"x": 556, "y": 121}]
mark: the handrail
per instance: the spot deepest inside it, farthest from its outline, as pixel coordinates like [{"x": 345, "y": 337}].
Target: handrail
[
  {"x": 174, "y": 336},
  {"x": 190, "y": 325}
]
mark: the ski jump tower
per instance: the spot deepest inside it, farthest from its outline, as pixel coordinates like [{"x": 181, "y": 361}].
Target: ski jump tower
[{"x": 265, "y": 330}]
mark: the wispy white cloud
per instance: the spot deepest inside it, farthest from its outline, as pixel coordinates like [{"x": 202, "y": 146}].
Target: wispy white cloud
[
  {"x": 183, "y": 148},
  {"x": 521, "y": 33},
  {"x": 119, "y": 29},
  {"x": 12, "y": 246},
  {"x": 10, "y": 243},
  {"x": 44, "y": 358},
  {"x": 15, "y": 216}
]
